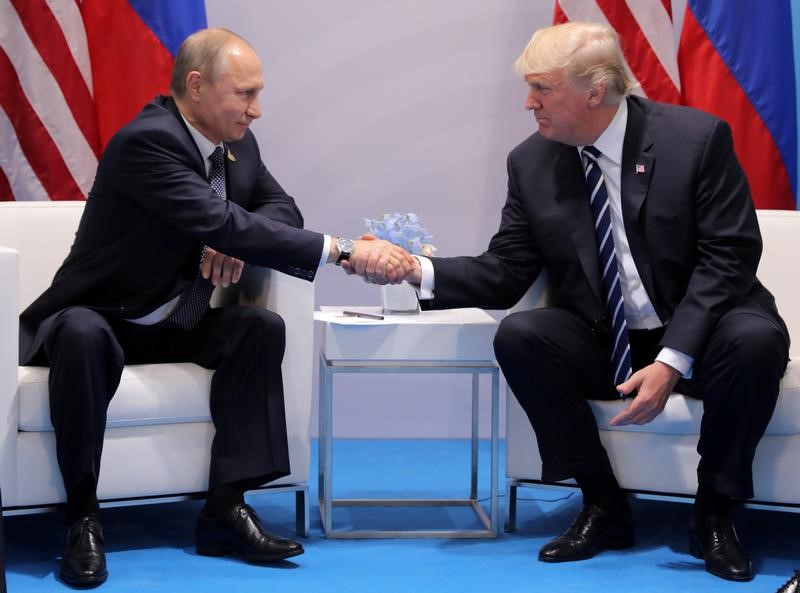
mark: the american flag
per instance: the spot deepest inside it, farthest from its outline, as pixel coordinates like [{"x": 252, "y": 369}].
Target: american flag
[
  {"x": 73, "y": 72},
  {"x": 647, "y": 38},
  {"x": 47, "y": 120}
]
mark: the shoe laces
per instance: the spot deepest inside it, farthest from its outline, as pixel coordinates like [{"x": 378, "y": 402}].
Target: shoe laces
[
  {"x": 724, "y": 533},
  {"x": 87, "y": 523},
  {"x": 585, "y": 518}
]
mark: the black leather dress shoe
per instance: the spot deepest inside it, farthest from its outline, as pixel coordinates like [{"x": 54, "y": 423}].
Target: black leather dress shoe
[
  {"x": 84, "y": 560},
  {"x": 592, "y": 531},
  {"x": 240, "y": 532},
  {"x": 714, "y": 539}
]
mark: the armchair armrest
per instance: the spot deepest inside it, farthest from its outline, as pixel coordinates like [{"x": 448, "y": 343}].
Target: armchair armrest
[{"x": 9, "y": 363}]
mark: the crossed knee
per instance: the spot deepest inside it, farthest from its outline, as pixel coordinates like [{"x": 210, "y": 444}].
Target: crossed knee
[
  {"x": 519, "y": 331},
  {"x": 752, "y": 345},
  {"x": 262, "y": 319}
]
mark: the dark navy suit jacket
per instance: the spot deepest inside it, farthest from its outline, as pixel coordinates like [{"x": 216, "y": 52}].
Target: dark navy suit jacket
[
  {"x": 688, "y": 216},
  {"x": 148, "y": 215}
]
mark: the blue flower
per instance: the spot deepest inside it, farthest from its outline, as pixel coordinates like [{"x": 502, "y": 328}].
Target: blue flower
[{"x": 403, "y": 230}]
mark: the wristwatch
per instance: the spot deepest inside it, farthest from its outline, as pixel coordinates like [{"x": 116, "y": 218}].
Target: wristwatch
[{"x": 345, "y": 247}]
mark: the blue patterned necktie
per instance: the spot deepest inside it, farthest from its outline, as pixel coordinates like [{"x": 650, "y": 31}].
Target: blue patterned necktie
[
  {"x": 193, "y": 304},
  {"x": 216, "y": 174},
  {"x": 615, "y": 306}
]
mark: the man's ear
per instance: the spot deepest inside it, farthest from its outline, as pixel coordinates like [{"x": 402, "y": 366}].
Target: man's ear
[
  {"x": 596, "y": 95},
  {"x": 193, "y": 82}
]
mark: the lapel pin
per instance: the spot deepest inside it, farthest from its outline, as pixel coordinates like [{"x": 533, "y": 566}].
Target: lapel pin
[
  {"x": 639, "y": 168},
  {"x": 233, "y": 158}
]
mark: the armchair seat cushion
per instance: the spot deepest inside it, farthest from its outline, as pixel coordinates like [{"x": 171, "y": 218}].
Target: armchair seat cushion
[
  {"x": 167, "y": 393},
  {"x": 682, "y": 415}
]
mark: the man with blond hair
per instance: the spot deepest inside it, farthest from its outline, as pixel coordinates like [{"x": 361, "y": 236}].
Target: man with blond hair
[
  {"x": 180, "y": 201},
  {"x": 641, "y": 217}
]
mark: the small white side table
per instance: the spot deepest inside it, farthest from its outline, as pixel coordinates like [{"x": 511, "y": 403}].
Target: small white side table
[{"x": 450, "y": 341}]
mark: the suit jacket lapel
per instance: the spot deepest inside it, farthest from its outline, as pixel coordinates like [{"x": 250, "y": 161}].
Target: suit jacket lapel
[
  {"x": 199, "y": 159},
  {"x": 637, "y": 169},
  {"x": 574, "y": 203},
  {"x": 232, "y": 180}
]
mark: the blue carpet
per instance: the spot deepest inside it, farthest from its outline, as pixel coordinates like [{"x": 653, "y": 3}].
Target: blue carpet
[{"x": 151, "y": 548}]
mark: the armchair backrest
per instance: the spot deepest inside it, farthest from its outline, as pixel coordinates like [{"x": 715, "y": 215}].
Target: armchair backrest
[
  {"x": 42, "y": 233},
  {"x": 780, "y": 231},
  {"x": 41, "y": 252}
]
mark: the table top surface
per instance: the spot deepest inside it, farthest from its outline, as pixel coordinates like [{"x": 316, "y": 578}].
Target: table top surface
[{"x": 335, "y": 315}]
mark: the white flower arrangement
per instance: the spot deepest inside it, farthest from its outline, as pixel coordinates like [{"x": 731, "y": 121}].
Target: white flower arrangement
[{"x": 402, "y": 230}]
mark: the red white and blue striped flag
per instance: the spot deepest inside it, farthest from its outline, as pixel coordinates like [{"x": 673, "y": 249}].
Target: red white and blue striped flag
[
  {"x": 72, "y": 73},
  {"x": 735, "y": 60}
]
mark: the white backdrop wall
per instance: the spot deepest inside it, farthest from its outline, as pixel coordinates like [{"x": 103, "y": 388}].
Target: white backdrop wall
[{"x": 376, "y": 106}]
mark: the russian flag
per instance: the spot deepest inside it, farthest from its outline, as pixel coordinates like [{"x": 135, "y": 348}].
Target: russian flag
[
  {"x": 132, "y": 46},
  {"x": 738, "y": 62}
]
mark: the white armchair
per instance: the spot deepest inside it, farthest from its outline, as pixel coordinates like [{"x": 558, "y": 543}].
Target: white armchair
[
  {"x": 661, "y": 457},
  {"x": 159, "y": 429}
]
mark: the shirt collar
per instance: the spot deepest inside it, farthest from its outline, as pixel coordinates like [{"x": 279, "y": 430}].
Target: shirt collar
[{"x": 613, "y": 137}]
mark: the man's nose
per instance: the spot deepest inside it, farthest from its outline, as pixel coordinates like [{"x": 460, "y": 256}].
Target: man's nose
[
  {"x": 254, "y": 109},
  {"x": 532, "y": 102}
]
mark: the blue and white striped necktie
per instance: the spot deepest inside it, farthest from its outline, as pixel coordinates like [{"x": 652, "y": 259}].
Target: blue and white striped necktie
[{"x": 615, "y": 305}]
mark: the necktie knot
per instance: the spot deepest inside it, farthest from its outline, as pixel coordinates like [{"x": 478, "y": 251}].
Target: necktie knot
[
  {"x": 217, "y": 158},
  {"x": 591, "y": 155},
  {"x": 591, "y": 152}
]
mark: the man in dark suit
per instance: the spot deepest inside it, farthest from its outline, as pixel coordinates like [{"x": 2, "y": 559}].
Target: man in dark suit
[
  {"x": 641, "y": 217},
  {"x": 181, "y": 199}
]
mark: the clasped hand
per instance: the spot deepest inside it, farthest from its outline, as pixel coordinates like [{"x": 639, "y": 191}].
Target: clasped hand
[
  {"x": 380, "y": 262},
  {"x": 222, "y": 270}
]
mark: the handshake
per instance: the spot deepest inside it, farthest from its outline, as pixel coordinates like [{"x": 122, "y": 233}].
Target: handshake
[
  {"x": 375, "y": 260},
  {"x": 379, "y": 262}
]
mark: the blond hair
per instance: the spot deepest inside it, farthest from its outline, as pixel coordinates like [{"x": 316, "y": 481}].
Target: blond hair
[
  {"x": 201, "y": 51},
  {"x": 589, "y": 54}
]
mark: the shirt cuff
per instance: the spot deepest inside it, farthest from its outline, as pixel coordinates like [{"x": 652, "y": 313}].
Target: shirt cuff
[
  {"x": 326, "y": 249},
  {"x": 679, "y": 361},
  {"x": 425, "y": 290}
]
